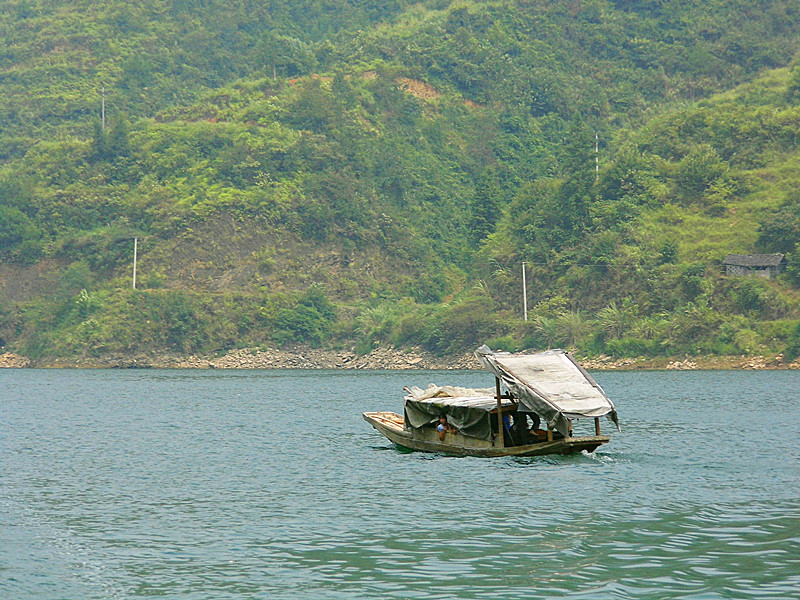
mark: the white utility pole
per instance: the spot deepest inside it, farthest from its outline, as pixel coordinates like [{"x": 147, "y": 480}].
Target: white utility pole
[
  {"x": 596, "y": 157},
  {"x": 135, "y": 251},
  {"x": 103, "y": 111},
  {"x": 524, "y": 293}
]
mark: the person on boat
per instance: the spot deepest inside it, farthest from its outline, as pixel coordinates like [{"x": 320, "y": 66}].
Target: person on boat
[
  {"x": 535, "y": 434},
  {"x": 508, "y": 436},
  {"x": 444, "y": 427},
  {"x": 519, "y": 430}
]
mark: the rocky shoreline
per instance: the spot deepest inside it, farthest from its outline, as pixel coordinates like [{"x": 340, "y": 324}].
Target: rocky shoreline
[
  {"x": 303, "y": 357},
  {"x": 14, "y": 361},
  {"x": 695, "y": 363}
]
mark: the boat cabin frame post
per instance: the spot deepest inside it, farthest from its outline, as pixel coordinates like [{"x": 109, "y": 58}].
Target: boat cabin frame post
[
  {"x": 500, "y": 437},
  {"x": 597, "y": 425}
]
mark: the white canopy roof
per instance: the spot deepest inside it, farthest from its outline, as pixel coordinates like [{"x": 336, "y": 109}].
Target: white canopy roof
[
  {"x": 550, "y": 384},
  {"x": 450, "y": 395}
]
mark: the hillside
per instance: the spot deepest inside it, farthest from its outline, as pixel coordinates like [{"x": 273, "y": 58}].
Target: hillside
[
  {"x": 365, "y": 175},
  {"x": 642, "y": 255}
]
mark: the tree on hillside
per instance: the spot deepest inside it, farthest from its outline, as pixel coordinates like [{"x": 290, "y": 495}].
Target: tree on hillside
[
  {"x": 486, "y": 205},
  {"x": 540, "y": 223},
  {"x": 779, "y": 230},
  {"x": 113, "y": 142},
  {"x": 697, "y": 171},
  {"x": 577, "y": 168},
  {"x": 20, "y": 238},
  {"x": 793, "y": 87},
  {"x": 285, "y": 56}
]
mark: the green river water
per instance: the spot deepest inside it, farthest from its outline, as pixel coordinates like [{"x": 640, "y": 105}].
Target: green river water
[{"x": 268, "y": 484}]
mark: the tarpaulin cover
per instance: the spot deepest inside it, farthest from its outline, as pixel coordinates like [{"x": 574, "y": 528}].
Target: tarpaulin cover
[
  {"x": 465, "y": 408},
  {"x": 551, "y": 384}
]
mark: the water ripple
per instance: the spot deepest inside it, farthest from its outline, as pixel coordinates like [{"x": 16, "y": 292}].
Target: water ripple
[{"x": 118, "y": 485}]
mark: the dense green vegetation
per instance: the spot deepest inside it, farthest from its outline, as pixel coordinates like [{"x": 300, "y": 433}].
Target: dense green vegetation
[{"x": 368, "y": 173}]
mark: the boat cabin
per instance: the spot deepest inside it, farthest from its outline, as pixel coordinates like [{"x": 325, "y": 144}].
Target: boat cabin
[{"x": 471, "y": 413}]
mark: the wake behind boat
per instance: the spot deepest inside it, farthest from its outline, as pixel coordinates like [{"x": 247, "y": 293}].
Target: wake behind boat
[{"x": 530, "y": 389}]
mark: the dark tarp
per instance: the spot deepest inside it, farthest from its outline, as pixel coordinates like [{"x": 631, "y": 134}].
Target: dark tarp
[
  {"x": 467, "y": 410},
  {"x": 551, "y": 384}
]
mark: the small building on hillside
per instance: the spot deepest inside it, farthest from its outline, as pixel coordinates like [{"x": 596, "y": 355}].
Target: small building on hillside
[{"x": 760, "y": 265}]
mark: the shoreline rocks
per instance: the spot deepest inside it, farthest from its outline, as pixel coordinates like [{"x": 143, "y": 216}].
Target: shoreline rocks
[
  {"x": 300, "y": 357},
  {"x": 382, "y": 358},
  {"x": 9, "y": 360}
]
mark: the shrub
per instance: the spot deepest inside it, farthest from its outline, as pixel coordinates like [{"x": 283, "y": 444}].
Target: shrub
[
  {"x": 503, "y": 344},
  {"x": 697, "y": 171},
  {"x": 309, "y": 320},
  {"x": 184, "y": 327},
  {"x": 793, "y": 268},
  {"x": 75, "y": 277},
  {"x": 629, "y": 347},
  {"x": 462, "y": 327},
  {"x": 19, "y": 236},
  {"x": 301, "y": 323},
  {"x": 316, "y": 298},
  {"x": 691, "y": 280},
  {"x": 793, "y": 346},
  {"x": 746, "y": 341},
  {"x": 410, "y": 327}
]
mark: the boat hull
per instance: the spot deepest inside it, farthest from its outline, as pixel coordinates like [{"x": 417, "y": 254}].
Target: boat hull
[{"x": 391, "y": 425}]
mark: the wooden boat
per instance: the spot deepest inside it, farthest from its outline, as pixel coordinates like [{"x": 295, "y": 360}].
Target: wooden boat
[{"x": 548, "y": 387}]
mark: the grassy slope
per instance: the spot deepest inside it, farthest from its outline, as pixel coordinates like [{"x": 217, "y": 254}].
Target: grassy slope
[
  {"x": 413, "y": 173},
  {"x": 757, "y": 121},
  {"x": 150, "y": 55},
  {"x": 632, "y": 301}
]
